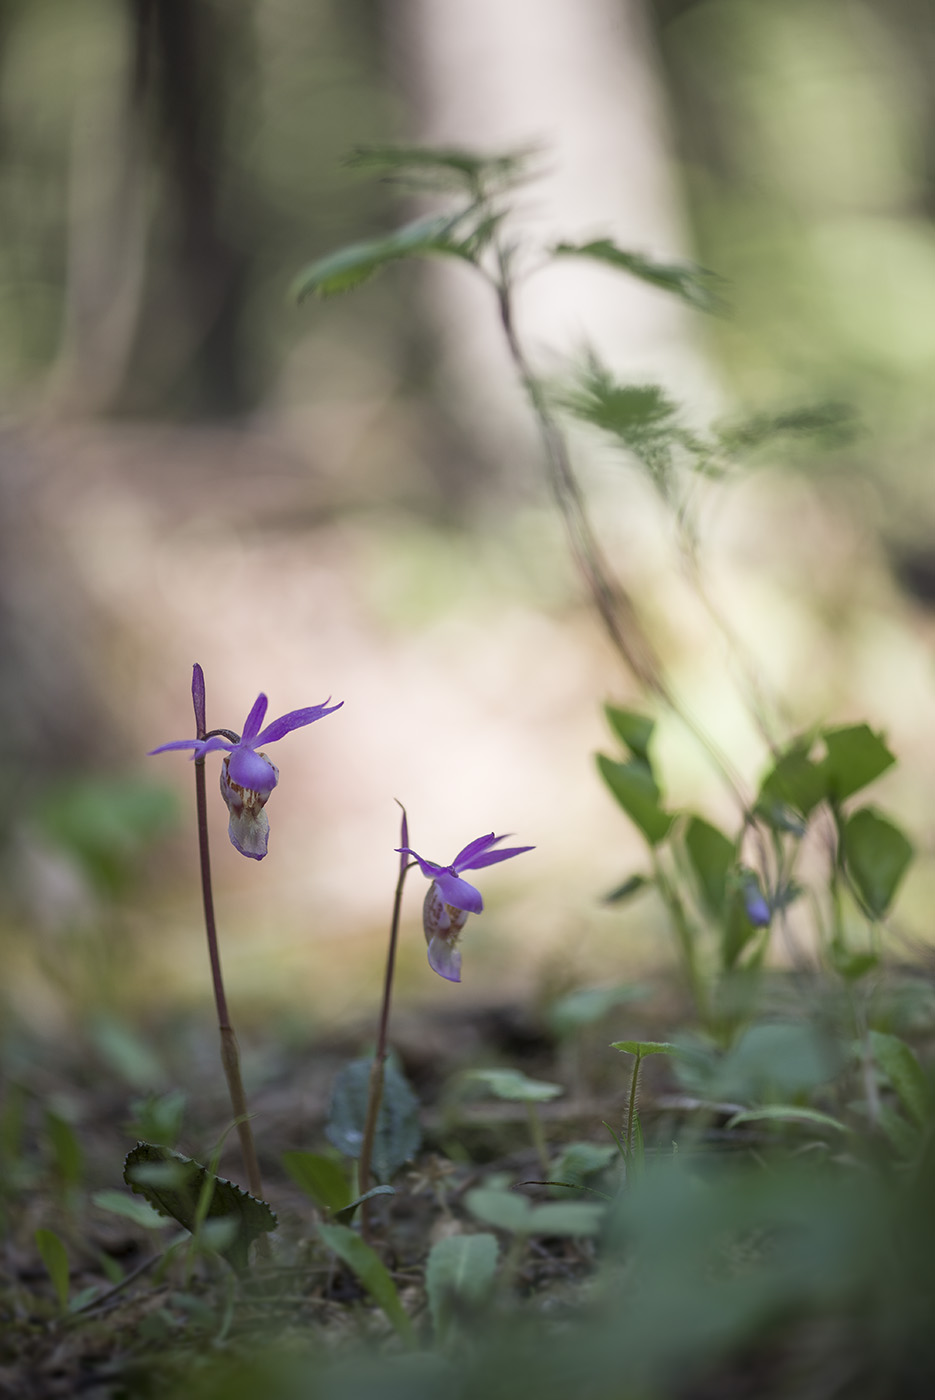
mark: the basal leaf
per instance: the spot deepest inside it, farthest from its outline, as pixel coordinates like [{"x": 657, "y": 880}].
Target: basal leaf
[
  {"x": 55, "y": 1258},
  {"x": 322, "y": 1179},
  {"x": 398, "y": 1134},
  {"x": 693, "y": 284},
  {"x": 876, "y": 854},
  {"x": 902, "y": 1069},
  {"x": 459, "y": 1278},
  {"x": 635, "y": 789},
  {"x": 856, "y": 757},
  {"x": 513, "y": 1085},
  {"x": 173, "y": 1185},
  {"x": 645, "y": 1047},
  {"x": 369, "y": 1268}
]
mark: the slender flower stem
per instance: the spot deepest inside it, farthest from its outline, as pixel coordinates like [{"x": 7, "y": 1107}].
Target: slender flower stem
[
  {"x": 230, "y": 1057},
  {"x": 379, "y": 1058}
]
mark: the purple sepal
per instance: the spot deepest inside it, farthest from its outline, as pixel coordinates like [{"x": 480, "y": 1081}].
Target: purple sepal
[
  {"x": 198, "y": 699},
  {"x": 445, "y": 960},
  {"x": 295, "y": 719},
  {"x": 474, "y": 848},
  {"x": 428, "y": 867},
  {"x": 251, "y": 725},
  {"x": 403, "y": 847},
  {"x": 492, "y": 857}
]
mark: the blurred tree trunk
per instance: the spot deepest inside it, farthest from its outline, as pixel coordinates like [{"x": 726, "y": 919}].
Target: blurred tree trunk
[{"x": 577, "y": 79}]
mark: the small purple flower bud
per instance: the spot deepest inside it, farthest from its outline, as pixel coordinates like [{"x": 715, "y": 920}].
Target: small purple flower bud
[{"x": 756, "y": 903}]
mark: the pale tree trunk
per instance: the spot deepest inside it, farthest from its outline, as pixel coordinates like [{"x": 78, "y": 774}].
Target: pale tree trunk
[{"x": 578, "y": 79}]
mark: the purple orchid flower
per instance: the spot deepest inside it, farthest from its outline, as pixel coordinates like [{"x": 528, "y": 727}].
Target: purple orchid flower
[
  {"x": 450, "y": 899},
  {"x": 247, "y": 776}
]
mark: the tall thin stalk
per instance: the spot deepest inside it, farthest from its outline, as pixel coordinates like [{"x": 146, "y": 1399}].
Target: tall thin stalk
[
  {"x": 379, "y": 1058},
  {"x": 230, "y": 1057}
]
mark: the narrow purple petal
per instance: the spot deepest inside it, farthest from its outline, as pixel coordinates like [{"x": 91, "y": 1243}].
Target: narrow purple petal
[
  {"x": 198, "y": 699},
  {"x": 201, "y": 746},
  {"x": 491, "y": 857},
  {"x": 458, "y": 892},
  {"x": 428, "y": 867},
  {"x": 251, "y": 770},
  {"x": 251, "y": 725},
  {"x": 295, "y": 719},
  {"x": 474, "y": 848},
  {"x": 445, "y": 960}
]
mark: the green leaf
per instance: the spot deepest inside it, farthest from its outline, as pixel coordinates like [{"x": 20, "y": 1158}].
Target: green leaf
[
  {"x": 398, "y": 1136},
  {"x": 830, "y": 424},
  {"x": 579, "y": 1162},
  {"x": 346, "y": 1214},
  {"x": 459, "y": 1278},
  {"x": 632, "y": 729},
  {"x": 585, "y": 1005},
  {"x": 66, "y": 1149},
  {"x": 367, "y": 1265},
  {"x": 507, "y": 1211},
  {"x": 174, "y": 1184},
  {"x": 323, "y": 1180},
  {"x": 645, "y": 1047},
  {"x": 513, "y": 1085},
  {"x": 738, "y": 930},
  {"x": 856, "y": 757},
  {"x": 441, "y": 168},
  {"x": 795, "y": 781},
  {"x": 138, "y": 1211},
  {"x": 55, "y": 1258},
  {"x": 628, "y": 889},
  {"x": 786, "y": 1113},
  {"x": 712, "y": 856},
  {"x": 876, "y": 854},
  {"x": 693, "y": 284},
  {"x": 635, "y": 789},
  {"x": 906, "y": 1075},
  {"x": 350, "y": 266}
]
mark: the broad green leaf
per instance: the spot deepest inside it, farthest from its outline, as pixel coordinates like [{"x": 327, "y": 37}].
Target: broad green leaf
[
  {"x": 459, "y": 1278},
  {"x": 173, "y": 1185},
  {"x": 795, "y": 781},
  {"x": 579, "y": 1162},
  {"x": 348, "y": 267},
  {"x": 852, "y": 966},
  {"x": 635, "y": 789},
  {"x": 513, "y": 1085},
  {"x": 906, "y": 1075},
  {"x": 586, "y": 1005},
  {"x": 138, "y": 1211},
  {"x": 786, "y": 1113},
  {"x": 644, "y": 1047},
  {"x": 712, "y": 855},
  {"x": 507, "y": 1211},
  {"x": 398, "y": 1136},
  {"x": 323, "y": 1180},
  {"x": 856, "y": 757},
  {"x": 632, "y": 729},
  {"x": 55, "y": 1258},
  {"x": 876, "y": 854},
  {"x": 693, "y": 284},
  {"x": 346, "y": 1214},
  {"x": 369, "y": 1268},
  {"x": 628, "y": 889}
]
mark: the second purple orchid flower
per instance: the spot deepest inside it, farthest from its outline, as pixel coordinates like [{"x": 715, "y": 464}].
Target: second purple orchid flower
[
  {"x": 247, "y": 776},
  {"x": 450, "y": 898}
]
